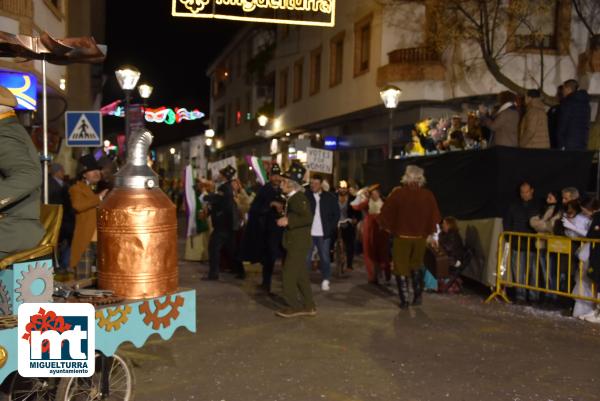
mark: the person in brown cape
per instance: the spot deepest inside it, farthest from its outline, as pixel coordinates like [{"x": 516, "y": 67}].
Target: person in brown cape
[
  {"x": 410, "y": 214},
  {"x": 85, "y": 203}
]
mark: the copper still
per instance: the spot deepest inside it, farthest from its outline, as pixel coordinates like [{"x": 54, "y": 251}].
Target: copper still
[{"x": 137, "y": 230}]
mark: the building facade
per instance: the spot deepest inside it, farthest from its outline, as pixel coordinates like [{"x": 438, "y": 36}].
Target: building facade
[
  {"x": 327, "y": 80},
  {"x": 73, "y": 87},
  {"x": 242, "y": 87}
]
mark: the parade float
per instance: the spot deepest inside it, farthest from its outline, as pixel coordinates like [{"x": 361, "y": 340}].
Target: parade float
[{"x": 136, "y": 293}]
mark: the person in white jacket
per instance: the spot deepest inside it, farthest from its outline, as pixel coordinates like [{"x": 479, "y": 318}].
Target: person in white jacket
[{"x": 577, "y": 226}]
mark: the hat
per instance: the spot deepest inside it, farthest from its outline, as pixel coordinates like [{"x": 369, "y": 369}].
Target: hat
[
  {"x": 275, "y": 169},
  {"x": 296, "y": 172},
  {"x": 228, "y": 172},
  {"x": 55, "y": 168},
  {"x": 89, "y": 163},
  {"x": 7, "y": 98}
]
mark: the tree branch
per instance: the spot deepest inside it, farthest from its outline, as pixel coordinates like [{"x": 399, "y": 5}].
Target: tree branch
[
  {"x": 582, "y": 18},
  {"x": 495, "y": 22},
  {"x": 468, "y": 16}
]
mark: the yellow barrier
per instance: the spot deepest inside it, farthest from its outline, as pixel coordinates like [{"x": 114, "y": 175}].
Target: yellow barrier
[{"x": 544, "y": 263}]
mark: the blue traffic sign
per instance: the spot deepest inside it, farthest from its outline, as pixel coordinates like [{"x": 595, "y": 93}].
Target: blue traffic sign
[{"x": 83, "y": 128}]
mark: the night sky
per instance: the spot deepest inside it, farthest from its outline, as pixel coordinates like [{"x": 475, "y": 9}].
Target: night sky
[{"x": 172, "y": 55}]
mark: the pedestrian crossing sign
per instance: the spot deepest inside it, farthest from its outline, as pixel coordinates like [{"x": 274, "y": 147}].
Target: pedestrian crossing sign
[{"x": 83, "y": 128}]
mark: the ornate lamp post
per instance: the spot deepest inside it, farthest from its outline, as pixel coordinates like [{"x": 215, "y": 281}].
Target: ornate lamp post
[
  {"x": 128, "y": 77},
  {"x": 390, "y": 95}
]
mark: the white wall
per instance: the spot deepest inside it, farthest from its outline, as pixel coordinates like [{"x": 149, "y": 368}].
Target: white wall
[
  {"x": 9, "y": 25},
  {"x": 403, "y": 25}
]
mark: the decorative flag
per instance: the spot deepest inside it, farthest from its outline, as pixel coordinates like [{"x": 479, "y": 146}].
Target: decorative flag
[{"x": 258, "y": 168}]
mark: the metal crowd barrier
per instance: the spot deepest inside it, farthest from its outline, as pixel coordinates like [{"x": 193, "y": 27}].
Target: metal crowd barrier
[{"x": 545, "y": 264}]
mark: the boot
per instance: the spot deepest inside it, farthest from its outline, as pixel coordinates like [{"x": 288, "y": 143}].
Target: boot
[
  {"x": 402, "y": 282},
  {"x": 417, "y": 282}
]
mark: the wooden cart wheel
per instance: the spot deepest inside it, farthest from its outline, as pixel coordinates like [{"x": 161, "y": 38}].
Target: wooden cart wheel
[
  {"x": 31, "y": 388},
  {"x": 121, "y": 383}
]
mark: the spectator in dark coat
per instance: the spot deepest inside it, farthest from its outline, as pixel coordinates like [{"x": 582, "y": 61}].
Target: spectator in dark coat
[
  {"x": 517, "y": 220},
  {"x": 58, "y": 194},
  {"x": 574, "y": 118},
  {"x": 451, "y": 242},
  {"x": 326, "y": 212},
  {"x": 552, "y": 114},
  {"x": 519, "y": 213}
]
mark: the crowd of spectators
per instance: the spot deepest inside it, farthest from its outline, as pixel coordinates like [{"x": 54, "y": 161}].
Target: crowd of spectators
[
  {"x": 535, "y": 263},
  {"x": 528, "y": 121}
]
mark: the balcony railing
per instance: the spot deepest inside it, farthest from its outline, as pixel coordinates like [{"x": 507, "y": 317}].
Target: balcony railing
[
  {"x": 21, "y": 8},
  {"x": 414, "y": 55},
  {"x": 412, "y": 64}
]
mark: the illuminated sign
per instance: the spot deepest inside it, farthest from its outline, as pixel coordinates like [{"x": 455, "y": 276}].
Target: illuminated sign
[
  {"x": 159, "y": 115},
  {"x": 331, "y": 142},
  {"x": 23, "y": 86},
  {"x": 295, "y": 12}
]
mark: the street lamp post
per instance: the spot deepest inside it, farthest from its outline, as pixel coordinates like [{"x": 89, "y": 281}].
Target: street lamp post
[
  {"x": 128, "y": 77},
  {"x": 390, "y": 95},
  {"x": 145, "y": 91},
  {"x": 262, "y": 120}
]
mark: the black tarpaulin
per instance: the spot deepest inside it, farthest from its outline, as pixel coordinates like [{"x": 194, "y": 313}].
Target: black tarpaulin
[{"x": 482, "y": 183}]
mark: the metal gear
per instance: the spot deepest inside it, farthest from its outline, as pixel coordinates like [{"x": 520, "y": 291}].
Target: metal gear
[
  {"x": 107, "y": 321},
  {"x": 5, "y": 304},
  {"x": 34, "y": 272},
  {"x": 153, "y": 317}
]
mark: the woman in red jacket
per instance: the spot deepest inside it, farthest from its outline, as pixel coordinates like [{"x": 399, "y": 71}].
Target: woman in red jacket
[{"x": 376, "y": 242}]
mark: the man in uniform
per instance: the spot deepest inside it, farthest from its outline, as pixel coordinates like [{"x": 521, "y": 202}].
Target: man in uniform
[
  {"x": 297, "y": 242},
  {"x": 262, "y": 242},
  {"x": 221, "y": 205},
  {"x": 20, "y": 182}
]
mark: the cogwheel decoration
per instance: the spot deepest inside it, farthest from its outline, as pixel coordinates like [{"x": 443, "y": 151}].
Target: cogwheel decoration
[
  {"x": 5, "y": 305},
  {"x": 34, "y": 272},
  {"x": 158, "y": 319},
  {"x": 107, "y": 320}
]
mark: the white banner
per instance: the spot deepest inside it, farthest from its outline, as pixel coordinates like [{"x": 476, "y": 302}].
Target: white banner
[
  {"x": 319, "y": 160},
  {"x": 214, "y": 167}
]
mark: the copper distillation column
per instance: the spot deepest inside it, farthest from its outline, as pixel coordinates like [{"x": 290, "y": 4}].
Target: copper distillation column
[{"x": 137, "y": 230}]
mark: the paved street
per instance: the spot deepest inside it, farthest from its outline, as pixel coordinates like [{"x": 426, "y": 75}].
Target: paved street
[{"x": 362, "y": 347}]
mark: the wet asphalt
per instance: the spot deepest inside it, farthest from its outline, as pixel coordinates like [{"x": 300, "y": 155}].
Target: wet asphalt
[{"x": 361, "y": 347}]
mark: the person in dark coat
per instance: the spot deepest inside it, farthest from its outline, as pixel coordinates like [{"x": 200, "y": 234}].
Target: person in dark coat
[
  {"x": 574, "y": 118},
  {"x": 20, "y": 182},
  {"x": 517, "y": 220},
  {"x": 349, "y": 218},
  {"x": 326, "y": 212},
  {"x": 58, "y": 194},
  {"x": 221, "y": 206},
  {"x": 262, "y": 239},
  {"x": 451, "y": 242},
  {"x": 552, "y": 114}
]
